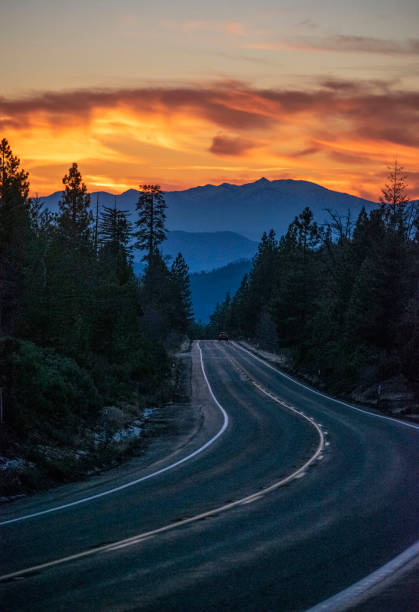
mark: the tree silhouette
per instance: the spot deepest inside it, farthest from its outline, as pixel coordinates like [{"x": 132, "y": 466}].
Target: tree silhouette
[
  {"x": 75, "y": 216},
  {"x": 115, "y": 232},
  {"x": 14, "y": 223},
  {"x": 179, "y": 273},
  {"x": 394, "y": 191},
  {"x": 151, "y": 218}
]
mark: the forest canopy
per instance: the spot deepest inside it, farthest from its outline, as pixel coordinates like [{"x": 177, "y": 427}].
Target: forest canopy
[
  {"x": 341, "y": 300},
  {"x": 78, "y": 330}
]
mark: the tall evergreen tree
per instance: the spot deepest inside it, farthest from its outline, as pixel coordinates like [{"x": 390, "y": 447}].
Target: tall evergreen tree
[
  {"x": 96, "y": 227},
  {"x": 151, "y": 219},
  {"x": 14, "y": 225},
  {"x": 261, "y": 280},
  {"x": 115, "y": 232},
  {"x": 394, "y": 191},
  {"x": 183, "y": 312},
  {"x": 36, "y": 314},
  {"x": 72, "y": 267},
  {"x": 75, "y": 217},
  {"x": 157, "y": 296},
  {"x": 239, "y": 325},
  {"x": 294, "y": 302}
]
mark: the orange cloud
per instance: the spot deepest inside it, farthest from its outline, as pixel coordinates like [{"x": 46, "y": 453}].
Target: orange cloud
[{"x": 340, "y": 134}]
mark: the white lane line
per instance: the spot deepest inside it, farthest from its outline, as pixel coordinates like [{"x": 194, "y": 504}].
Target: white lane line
[
  {"x": 297, "y": 382},
  {"x": 138, "y": 480},
  {"x": 143, "y": 536},
  {"x": 343, "y": 600},
  {"x": 358, "y": 591}
]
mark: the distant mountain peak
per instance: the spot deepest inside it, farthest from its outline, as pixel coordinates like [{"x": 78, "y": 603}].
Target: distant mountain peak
[
  {"x": 248, "y": 209},
  {"x": 228, "y": 186}
]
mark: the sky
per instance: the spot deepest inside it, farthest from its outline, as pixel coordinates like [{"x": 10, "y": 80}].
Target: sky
[{"x": 184, "y": 93}]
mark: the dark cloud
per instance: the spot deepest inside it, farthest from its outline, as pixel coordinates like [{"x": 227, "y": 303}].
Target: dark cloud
[
  {"x": 389, "y": 118},
  {"x": 382, "y": 114},
  {"x": 223, "y": 145},
  {"x": 212, "y": 103}
]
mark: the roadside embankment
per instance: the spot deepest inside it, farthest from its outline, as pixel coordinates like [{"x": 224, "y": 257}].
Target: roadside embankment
[
  {"x": 392, "y": 396},
  {"x": 121, "y": 431}
]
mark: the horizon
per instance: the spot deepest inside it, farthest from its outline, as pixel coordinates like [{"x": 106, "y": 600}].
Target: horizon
[{"x": 262, "y": 178}]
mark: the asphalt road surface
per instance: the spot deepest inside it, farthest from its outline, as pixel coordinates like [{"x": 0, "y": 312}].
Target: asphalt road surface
[{"x": 278, "y": 498}]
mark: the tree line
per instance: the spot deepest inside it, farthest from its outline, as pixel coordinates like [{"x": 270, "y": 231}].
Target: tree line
[
  {"x": 341, "y": 300},
  {"x": 78, "y": 330}
]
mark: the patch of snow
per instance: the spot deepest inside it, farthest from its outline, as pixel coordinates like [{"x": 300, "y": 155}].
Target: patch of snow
[
  {"x": 127, "y": 434},
  {"x": 10, "y": 464}
]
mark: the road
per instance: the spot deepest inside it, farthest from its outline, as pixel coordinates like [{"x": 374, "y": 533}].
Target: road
[{"x": 278, "y": 499}]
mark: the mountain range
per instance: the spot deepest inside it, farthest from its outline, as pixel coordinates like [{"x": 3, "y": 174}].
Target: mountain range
[
  {"x": 208, "y": 250},
  {"x": 216, "y": 227},
  {"x": 204, "y": 251},
  {"x": 210, "y": 288},
  {"x": 248, "y": 209}
]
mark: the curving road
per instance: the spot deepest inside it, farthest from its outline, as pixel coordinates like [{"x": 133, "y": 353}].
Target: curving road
[{"x": 275, "y": 498}]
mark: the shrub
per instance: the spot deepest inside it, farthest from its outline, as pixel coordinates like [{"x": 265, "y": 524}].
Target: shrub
[{"x": 42, "y": 389}]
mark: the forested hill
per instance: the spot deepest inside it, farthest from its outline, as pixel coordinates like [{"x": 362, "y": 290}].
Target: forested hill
[
  {"x": 79, "y": 332},
  {"x": 210, "y": 288},
  {"x": 208, "y": 250},
  {"x": 339, "y": 301},
  {"x": 246, "y": 209}
]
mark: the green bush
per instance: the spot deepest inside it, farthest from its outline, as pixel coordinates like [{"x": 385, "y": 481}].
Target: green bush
[{"x": 42, "y": 389}]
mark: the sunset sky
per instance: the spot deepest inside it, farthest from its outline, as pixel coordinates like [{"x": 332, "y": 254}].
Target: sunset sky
[{"x": 185, "y": 93}]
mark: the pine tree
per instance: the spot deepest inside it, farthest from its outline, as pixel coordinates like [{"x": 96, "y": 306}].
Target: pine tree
[
  {"x": 36, "y": 321},
  {"x": 394, "y": 191},
  {"x": 179, "y": 273},
  {"x": 96, "y": 229},
  {"x": 151, "y": 218},
  {"x": 261, "y": 280},
  {"x": 296, "y": 290},
  {"x": 72, "y": 270},
  {"x": 383, "y": 291},
  {"x": 115, "y": 232},
  {"x": 14, "y": 225},
  {"x": 157, "y": 296},
  {"x": 75, "y": 216}
]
